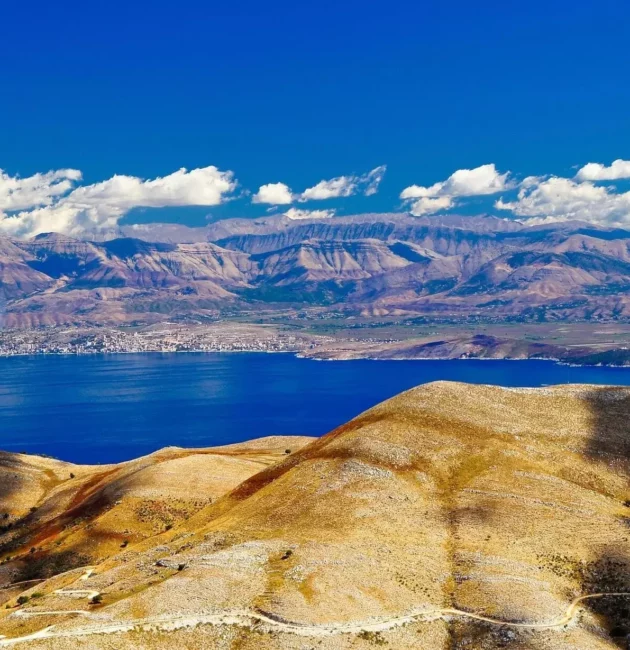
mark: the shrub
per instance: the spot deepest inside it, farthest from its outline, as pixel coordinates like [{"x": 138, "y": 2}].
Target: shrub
[
  {"x": 373, "y": 637},
  {"x": 22, "y": 600}
]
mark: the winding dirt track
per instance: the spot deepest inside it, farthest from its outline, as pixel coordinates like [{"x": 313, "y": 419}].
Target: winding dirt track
[{"x": 247, "y": 618}]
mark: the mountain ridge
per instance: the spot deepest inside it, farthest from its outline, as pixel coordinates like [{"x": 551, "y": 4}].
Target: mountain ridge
[{"x": 460, "y": 268}]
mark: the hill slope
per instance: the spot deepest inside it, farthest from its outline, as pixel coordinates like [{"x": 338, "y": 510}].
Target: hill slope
[
  {"x": 452, "y": 516},
  {"x": 56, "y": 516}
]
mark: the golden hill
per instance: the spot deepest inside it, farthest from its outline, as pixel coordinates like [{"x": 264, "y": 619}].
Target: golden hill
[
  {"x": 450, "y": 517},
  {"x": 56, "y": 516}
]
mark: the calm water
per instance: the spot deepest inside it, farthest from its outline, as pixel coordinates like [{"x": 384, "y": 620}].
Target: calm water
[{"x": 97, "y": 409}]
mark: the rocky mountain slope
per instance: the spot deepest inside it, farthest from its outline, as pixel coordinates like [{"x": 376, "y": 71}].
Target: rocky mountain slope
[
  {"x": 455, "y": 268},
  {"x": 450, "y": 517}
]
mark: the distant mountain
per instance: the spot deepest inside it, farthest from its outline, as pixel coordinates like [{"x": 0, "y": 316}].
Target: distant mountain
[{"x": 451, "y": 267}]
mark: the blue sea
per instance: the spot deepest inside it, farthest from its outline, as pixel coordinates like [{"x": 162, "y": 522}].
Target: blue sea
[{"x": 109, "y": 408}]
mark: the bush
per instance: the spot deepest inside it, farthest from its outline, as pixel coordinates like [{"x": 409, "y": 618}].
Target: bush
[{"x": 22, "y": 600}]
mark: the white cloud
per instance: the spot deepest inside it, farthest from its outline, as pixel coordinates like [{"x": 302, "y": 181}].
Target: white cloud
[
  {"x": 345, "y": 186},
  {"x": 332, "y": 189},
  {"x": 480, "y": 181},
  {"x": 295, "y": 213},
  {"x": 40, "y": 189},
  {"x": 563, "y": 199},
  {"x": 273, "y": 194},
  {"x": 598, "y": 172},
  {"x": 101, "y": 205},
  {"x": 431, "y": 205},
  {"x": 204, "y": 186}
]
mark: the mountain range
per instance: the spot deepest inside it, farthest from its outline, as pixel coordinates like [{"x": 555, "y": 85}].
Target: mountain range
[{"x": 453, "y": 268}]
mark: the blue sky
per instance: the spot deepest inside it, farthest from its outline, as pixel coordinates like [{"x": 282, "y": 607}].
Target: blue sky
[{"x": 299, "y": 92}]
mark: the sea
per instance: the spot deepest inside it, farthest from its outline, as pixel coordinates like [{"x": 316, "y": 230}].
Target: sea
[{"x": 108, "y": 408}]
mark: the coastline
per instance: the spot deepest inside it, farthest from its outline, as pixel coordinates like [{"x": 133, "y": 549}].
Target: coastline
[
  {"x": 583, "y": 347},
  {"x": 300, "y": 355}
]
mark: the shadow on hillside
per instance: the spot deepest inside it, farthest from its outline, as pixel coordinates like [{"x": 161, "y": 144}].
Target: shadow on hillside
[
  {"x": 610, "y": 435},
  {"x": 11, "y": 478},
  {"x": 11, "y": 484},
  {"x": 609, "y": 444},
  {"x": 42, "y": 566}
]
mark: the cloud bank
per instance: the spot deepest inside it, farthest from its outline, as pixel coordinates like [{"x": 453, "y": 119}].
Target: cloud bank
[
  {"x": 543, "y": 200},
  {"x": 40, "y": 189},
  {"x": 48, "y": 202},
  {"x": 56, "y": 201},
  {"x": 535, "y": 199}
]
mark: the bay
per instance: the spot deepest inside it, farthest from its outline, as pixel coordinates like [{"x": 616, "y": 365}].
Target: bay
[{"x": 109, "y": 408}]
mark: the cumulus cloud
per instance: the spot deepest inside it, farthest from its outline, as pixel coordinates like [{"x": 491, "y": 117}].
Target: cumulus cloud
[
  {"x": 480, "y": 181},
  {"x": 101, "y": 205},
  {"x": 295, "y": 213},
  {"x": 345, "y": 186},
  {"x": 18, "y": 193},
  {"x": 563, "y": 199},
  {"x": 597, "y": 172},
  {"x": 273, "y": 194}
]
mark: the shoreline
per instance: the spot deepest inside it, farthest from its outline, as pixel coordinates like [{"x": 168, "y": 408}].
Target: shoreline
[{"x": 299, "y": 355}]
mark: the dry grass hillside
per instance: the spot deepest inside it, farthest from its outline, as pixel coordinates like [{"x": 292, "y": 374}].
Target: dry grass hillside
[
  {"x": 450, "y": 517},
  {"x": 56, "y": 516}
]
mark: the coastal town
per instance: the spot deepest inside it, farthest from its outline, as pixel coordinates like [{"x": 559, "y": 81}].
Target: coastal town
[{"x": 165, "y": 338}]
